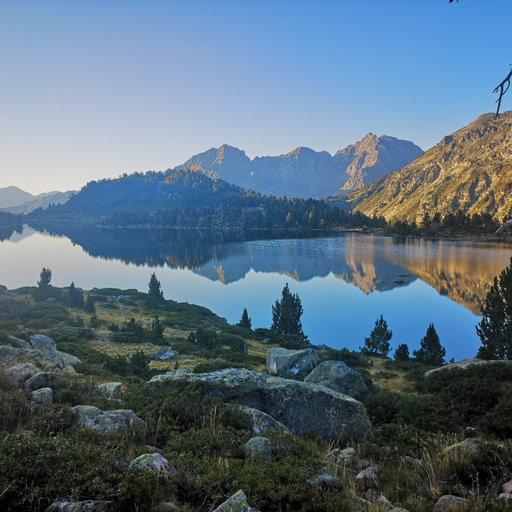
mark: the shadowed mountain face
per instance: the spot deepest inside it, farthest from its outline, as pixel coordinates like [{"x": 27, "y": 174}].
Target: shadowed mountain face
[
  {"x": 470, "y": 170},
  {"x": 304, "y": 172},
  {"x": 460, "y": 271}
]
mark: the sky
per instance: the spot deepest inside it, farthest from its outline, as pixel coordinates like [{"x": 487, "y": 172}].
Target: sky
[{"x": 92, "y": 89}]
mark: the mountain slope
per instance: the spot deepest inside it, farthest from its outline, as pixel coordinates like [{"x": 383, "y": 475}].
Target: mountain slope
[
  {"x": 13, "y": 196},
  {"x": 304, "y": 172},
  {"x": 42, "y": 201},
  {"x": 470, "y": 170}
]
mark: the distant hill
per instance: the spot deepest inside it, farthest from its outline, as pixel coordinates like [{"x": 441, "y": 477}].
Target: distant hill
[
  {"x": 41, "y": 201},
  {"x": 13, "y": 196},
  {"x": 304, "y": 172},
  {"x": 470, "y": 170}
]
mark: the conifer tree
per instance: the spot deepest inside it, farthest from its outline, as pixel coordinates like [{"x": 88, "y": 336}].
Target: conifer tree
[
  {"x": 45, "y": 278},
  {"x": 286, "y": 314},
  {"x": 156, "y": 296},
  {"x": 75, "y": 296},
  {"x": 378, "y": 342},
  {"x": 245, "y": 321},
  {"x": 401, "y": 353},
  {"x": 495, "y": 329},
  {"x": 431, "y": 351}
]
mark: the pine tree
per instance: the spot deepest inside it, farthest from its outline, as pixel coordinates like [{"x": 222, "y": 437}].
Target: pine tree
[
  {"x": 431, "y": 351},
  {"x": 157, "y": 330},
  {"x": 156, "y": 296},
  {"x": 75, "y": 296},
  {"x": 286, "y": 314},
  {"x": 378, "y": 342},
  {"x": 402, "y": 353},
  {"x": 495, "y": 329},
  {"x": 245, "y": 321},
  {"x": 45, "y": 278}
]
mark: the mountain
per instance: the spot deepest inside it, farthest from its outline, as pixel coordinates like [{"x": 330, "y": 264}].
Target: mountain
[
  {"x": 41, "y": 201},
  {"x": 13, "y": 196},
  {"x": 304, "y": 172},
  {"x": 470, "y": 170}
]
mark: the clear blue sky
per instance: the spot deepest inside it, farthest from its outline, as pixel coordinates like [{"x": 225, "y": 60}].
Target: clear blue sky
[{"x": 95, "y": 88}]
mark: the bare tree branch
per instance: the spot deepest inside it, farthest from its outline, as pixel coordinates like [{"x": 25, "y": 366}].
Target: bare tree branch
[{"x": 503, "y": 88}]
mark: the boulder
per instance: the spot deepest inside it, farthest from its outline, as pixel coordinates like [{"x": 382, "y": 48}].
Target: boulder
[
  {"x": 505, "y": 496},
  {"x": 17, "y": 342},
  {"x": 258, "y": 447},
  {"x": 94, "y": 419},
  {"x": 23, "y": 371},
  {"x": 261, "y": 421},
  {"x": 43, "y": 380},
  {"x": 338, "y": 376},
  {"x": 468, "y": 446},
  {"x": 68, "y": 359},
  {"x": 8, "y": 353},
  {"x": 44, "y": 351},
  {"x": 291, "y": 364},
  {"x": 42, "y": 396},
  {"x": 111, "y": 388},
  {"x": 369, "y": 474},
  {"x": 324, "y": 478},
  {"x": 154, "y": 462},
  {"x": 300, "y": 406},
  {"x": 163, "y": 354},
  {"x": 447, "y": 502},
  {"x": 80, "y": 506},
  {"x": 340, "y": 457},
  {"x": 465, "y": 363},
  {"x": 507, "y": 487},
  {"x": 237, "y": 503}
]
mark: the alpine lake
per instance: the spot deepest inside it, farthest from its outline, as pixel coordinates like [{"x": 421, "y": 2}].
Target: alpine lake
[{"x": 345, "y": 281}]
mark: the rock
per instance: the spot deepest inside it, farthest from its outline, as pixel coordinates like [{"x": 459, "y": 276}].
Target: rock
[
  {"x": 43, "y": 380},
  {"x": 371, "y": 473},
  {"x": 68, "y": 359},
  {"x": 24, "y": 336},
  {"x": 50, "y": 299},
  {"x": 93, "y": 418},
  {"x": 111, "y": 388},
  {"x": 23, "y": 371},
  {"x": 267, "y": 341},
  {"x": 155, "y": 462},
  {"x": 300, "y": 406},
  {"x": 258, "y": 446},
  {"x": 324, "y": 478},
  {"x": 338, "y": 376},
  {"x": 507, "y": 487},
  {"x": 17, "y": 342},
  {"x": 291, "y": 364},
  {"x": 80, "y": 506},
  {"x": 341, "y": 457},
  {"x": 447, "y": 502},
  {"x": 237, "y": 503},
  {"x": 374, "y": 497},
  {"x": 149, "y": 345},
  {"x": 400, "y": 509},
  {"x": 505, "y": 496},
  {"x": 468, "y": 446},
  {"x": 8, "y": 353},
  {"x": 465, "y": 363},
  {"x": 261, "y": 421},
  {"x": 164, "y": 354},
  {"x": 42, "y": 396},
  {"x": 84, "y": 331}
]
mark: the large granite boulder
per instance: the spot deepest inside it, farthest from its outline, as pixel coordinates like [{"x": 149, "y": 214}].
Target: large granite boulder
[
  {"x": 43, "y": 349},
  {"x": 237, "y": 503},
  {"x": 154, "y": 462},
  {"x": 42, "y": 396},
  {"x": 94, "y": 419},
  {"x": 23, "y": 371},
  {"x": 466, "y": 363},
  {"x": 260, "y": 421},
  {"x": 338, "y": 376},
  {"x": 258, "y": 447},
  {"x": 43, "y": 380},
  {"x": 300, "y": 406},
  {"x": 291, "y": 364},
  {"x": 110, "y": 388},
  {"x": 17, "y": 342},
  {"x": 8, "y": 353},
  {"x": 80, "y": 506}
]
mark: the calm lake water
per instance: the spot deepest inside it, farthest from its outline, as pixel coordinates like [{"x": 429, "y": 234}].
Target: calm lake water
[{"x": 345, "y": 281}]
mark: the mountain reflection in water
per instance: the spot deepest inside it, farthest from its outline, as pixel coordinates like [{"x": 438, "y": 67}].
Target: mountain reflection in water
[{"x": 462, "y": 271}]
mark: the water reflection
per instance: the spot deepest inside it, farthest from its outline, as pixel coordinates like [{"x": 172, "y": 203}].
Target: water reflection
[{"x": 462, "y": 271}]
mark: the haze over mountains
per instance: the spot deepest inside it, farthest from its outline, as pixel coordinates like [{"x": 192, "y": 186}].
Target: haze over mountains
[
  {"x": 470, "y": 170},
  {"x": 304, "y": 172},
  {"x": 15, "y": 200}
]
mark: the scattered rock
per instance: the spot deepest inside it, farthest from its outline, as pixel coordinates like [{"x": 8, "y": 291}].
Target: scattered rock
[
  {"x": 17, "y": 342},
  {"x": 84, "y": 331},
  {"x": 8, "y": 353},
  {"x": 50, "y": 299},
  {"x": 302, "y": 407},
  {"x": 338, "y": 376},
  {"x": 447, "y": 502},
  {"x": 111, "y": 388},
  {"x": 468, "y": 446},
  {"x": 43, "y": 380},
  {"x": 153, "y": 461},
  {"x": 465, "y": 363},
  {"x": 164, "y": 354},
  {"x": 291, "y": 364},
  {"x": 258, "y": 446},
  {"x": 79, "y": 506},
  {"x": 371, "y": 473},
  {"x": 341, "y": 457},
  {"x": 23, "y": 371},
  {"x": 42, "y": 396},
  {"x": 261, "y": 421},
  {"x": 374, "y": 497},
  {"x": 93, "y": 418},
  {"x": 505, "y": 496},
  {"x": 237, "y": 503},
  {"x": 324, "y": 478},
  {"x": 507, "y": 487}
]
